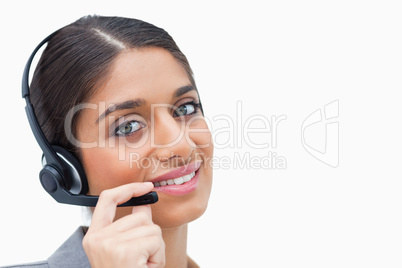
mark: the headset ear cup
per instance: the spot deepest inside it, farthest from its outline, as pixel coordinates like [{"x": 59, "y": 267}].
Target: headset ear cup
[{"x": 77, "y": 178}]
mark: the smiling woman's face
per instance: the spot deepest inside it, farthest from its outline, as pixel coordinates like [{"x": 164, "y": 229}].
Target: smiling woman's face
[{"x": 148, "y": 124}]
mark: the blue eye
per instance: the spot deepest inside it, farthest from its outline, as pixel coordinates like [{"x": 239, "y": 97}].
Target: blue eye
[
  {"x": 187, "y": 109},
  {"x": 128, "y": 128}
]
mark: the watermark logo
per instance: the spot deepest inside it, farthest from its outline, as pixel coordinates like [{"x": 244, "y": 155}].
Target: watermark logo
[
  {"x": 271, "y": 160},
  {"x": 320, "y": 134}
]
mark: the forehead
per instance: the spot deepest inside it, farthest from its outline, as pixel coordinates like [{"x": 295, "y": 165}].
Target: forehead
[{"x": 142, "y": 73}]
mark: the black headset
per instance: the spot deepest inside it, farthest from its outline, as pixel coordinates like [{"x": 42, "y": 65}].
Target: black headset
[{"x": 62, "y": 175}]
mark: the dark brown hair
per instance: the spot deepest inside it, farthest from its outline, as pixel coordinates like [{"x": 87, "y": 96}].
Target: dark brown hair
[{"x": 76, "y": 60}]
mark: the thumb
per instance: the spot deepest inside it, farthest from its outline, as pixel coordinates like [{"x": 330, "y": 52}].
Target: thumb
[{"x": 144, "y": 208}]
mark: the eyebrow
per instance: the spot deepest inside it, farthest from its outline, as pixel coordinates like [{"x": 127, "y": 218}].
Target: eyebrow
[{"x": 136, "y": 103}]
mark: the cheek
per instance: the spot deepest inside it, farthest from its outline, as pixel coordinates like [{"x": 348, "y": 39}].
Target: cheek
[
  {"x": 108, "y": 168},
  {"x": 201, "y": 136}
]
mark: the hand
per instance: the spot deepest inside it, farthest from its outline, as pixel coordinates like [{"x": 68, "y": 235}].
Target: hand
[{"x": 131, "y": 241}]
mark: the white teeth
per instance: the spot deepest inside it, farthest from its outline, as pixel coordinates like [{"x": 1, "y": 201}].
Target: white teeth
[
  {"x": 176, "y": 181},
  {"x": 188, "y": 177}
]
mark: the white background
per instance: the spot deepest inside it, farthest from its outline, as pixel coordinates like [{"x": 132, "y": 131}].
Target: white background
[{"x": 278, "y": 58}]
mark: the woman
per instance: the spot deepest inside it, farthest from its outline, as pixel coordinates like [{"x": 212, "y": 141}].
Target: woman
[{"x": 142, "y": 130}]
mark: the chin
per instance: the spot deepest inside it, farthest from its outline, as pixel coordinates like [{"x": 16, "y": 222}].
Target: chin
[
  {"x": 172, "y": 212},
  {"x": 178, "y": 216}
]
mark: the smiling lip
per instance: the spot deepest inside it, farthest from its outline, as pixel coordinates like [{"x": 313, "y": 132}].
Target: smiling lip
[
  {"x": 184, "y": 188},
  {"x": 179, "y": 172}
]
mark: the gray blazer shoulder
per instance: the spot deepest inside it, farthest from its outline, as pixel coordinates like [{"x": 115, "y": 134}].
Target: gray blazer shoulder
[{"x": 69, "y": 255}]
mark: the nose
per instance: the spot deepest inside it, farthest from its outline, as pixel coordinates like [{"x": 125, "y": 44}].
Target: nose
[{"x": 169, "y": 138}]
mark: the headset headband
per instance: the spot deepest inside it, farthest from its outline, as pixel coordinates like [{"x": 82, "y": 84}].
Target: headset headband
[{"x": 48, "y": 151}]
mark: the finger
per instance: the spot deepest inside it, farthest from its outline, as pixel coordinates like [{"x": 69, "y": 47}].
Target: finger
[
  {"x": 140, "y": 232},
  {"x": 140, "y": 252},
  {"x": 153, "y": 249},
  {"x": 105, "y": 209},
  {"x": 128, "y": 222},
  {"x": 157, "y": 256},
  {"x": 145, "y": 209}
]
